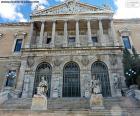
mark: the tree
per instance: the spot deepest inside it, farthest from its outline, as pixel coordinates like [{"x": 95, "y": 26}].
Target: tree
[{"x": 131, "y": 64}]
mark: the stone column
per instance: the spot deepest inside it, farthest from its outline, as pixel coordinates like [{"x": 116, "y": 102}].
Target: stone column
[
  {"x": 113, "y": 34},
  {"x": 77, "y": 34},
  {"x": 89, "y": 33},
  {"x": 25, "y": 91},
  {"x": 31, "y": 35},
  {"x": 65, "y": 34},
  {"x": 101, "y": 33},
  {"x": 21, "y": 75},
  {"x": 41, "y": 34},
  {"x": 53, "y": 33}
]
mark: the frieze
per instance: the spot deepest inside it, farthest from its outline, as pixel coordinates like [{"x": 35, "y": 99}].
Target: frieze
[
  {"x": 70, "y": 7},
  {"x": 46, "y": 58}
]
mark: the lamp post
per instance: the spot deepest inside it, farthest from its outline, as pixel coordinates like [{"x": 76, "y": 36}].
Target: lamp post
[
  {"x": 11, "y": 75},
  {"x": 131, "y": 73}
]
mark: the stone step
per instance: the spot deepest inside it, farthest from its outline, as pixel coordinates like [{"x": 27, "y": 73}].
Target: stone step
[
  {"x": 68, "y": 103},
  {"x": 59, "y": 103}
]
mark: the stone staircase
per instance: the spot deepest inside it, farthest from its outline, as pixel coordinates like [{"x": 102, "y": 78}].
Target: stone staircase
[
  {"x": 68, "y": 103},
  {"x": 18, "y": 103},
  {"x": 53, "y": 104},
  {"x": 118, "y": 104}
]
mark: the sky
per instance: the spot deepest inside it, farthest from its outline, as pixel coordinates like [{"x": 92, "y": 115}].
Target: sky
[{"x": 20, "y": 12}]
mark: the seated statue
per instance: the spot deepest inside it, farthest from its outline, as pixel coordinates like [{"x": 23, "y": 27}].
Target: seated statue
[
  {"x": 95, "y": 86},
  {"x": 43, "y": 87}
]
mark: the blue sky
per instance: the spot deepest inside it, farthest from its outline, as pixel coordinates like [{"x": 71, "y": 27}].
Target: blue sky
[{"x": 20, "y": 12}]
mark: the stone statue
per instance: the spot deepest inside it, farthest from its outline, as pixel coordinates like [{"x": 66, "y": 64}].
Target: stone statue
[
  {"x": 96, "y": 99},
  {"x": 116, "y": 82},
  {"x": 95, "y": 86},
  {"x": 43, "y": 86}
]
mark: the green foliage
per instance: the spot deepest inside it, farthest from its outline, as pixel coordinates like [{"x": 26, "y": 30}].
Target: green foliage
[{"x": 131, "y": 62}]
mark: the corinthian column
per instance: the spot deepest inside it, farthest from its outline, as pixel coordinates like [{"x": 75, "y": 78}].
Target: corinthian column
[
  {"x": 101, "y": 33},
  {"x": 77, "y": 34},
  {"x": 41, "y": 34},
  {"x": 113, "y": 34},
  {"x": 65, "y": 34},
  {"x": 31, "y": 35},
  {"x": 53, "y": 33},
  {"x": 89, "y": 33}
]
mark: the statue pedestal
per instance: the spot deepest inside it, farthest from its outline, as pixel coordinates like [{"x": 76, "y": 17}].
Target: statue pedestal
[
  {"x": 96, "y": 102},
  {"x": 39, "y": 102}
]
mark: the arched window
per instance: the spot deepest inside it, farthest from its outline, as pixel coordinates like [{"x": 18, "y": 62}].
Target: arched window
[
  {"x": 100, "y": 70},
  {"x": 71, "y": 80},
  {"x": 43, "y": 70}
]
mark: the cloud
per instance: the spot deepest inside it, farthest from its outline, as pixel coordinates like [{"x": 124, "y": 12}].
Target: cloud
[
  {"x": 127, "y": 9},
  {"x": 42, "y": 4},
  {"x": 9, "y": 12}
]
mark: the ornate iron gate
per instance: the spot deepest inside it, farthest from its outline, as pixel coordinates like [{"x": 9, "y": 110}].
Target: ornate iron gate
[
  {"x": 71, "y": 80},
  {"x": 43, "y": 70},
  {"x": 100, "y": 70}
]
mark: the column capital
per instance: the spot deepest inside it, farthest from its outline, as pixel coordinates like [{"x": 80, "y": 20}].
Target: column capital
[
  {"x": 77, "y": 20},
  {"x": 88, "y": 19},
  {"x": 65, "y": 20},
  {"x": 100, "y": 19},
  {"x": 53, "y": 20},
  {"x": 43, "y": 21}
]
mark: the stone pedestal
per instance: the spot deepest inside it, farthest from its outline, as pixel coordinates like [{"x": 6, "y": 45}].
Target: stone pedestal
[
  {"x": 39, "y": 102},
  {"x": 96, "y": 102}
]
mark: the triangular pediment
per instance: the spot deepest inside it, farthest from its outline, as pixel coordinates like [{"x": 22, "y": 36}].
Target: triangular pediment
[{"x": 71, "y": 7}]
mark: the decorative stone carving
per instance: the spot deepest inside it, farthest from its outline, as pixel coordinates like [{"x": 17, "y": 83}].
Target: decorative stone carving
[
  {"x": 69, "y": 7},
  {"x": 46, "y": 58},
  {"x": 98, "y": 57},
  {"x": 117, "y": 82},
  {"x": 85, "y": 60},
  {"x": 30, "y": 61},
  {"x": 71, "y": 58},
  {"x": 113, "y": 59},
  {"x": 57, "y": 61},
  {"x": 117, "y": 85}
]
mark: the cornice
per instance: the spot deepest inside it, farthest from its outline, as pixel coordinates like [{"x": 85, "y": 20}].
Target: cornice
[{"x": 15, "y": 24}]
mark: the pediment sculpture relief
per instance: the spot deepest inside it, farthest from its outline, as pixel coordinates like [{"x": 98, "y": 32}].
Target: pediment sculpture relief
[{"x": 68, "y": 7}]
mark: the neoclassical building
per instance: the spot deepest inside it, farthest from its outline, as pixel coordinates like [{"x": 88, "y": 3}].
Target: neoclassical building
[{"x": 67, "y": 44}]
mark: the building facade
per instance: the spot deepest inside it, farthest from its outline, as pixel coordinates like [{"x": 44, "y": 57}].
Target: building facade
[{"x": 66, "y": 44}]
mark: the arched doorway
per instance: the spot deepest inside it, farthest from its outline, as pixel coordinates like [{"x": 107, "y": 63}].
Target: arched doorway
[
  {"x": 100, "y": 70},
  {"x": 43, "y": 70},
  {"x": 71, "y": 80}
]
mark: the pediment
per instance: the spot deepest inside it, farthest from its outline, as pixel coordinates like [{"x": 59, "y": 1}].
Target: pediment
[{"x": 71, "y": 7}]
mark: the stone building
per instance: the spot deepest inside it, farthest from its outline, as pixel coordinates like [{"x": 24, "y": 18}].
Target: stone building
[{"x": 67, "y": 44}]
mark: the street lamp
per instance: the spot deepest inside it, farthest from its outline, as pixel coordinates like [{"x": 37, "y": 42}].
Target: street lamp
[
  {"x": 11, "y": 75},
  {"x": 131, "y": 73}
]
